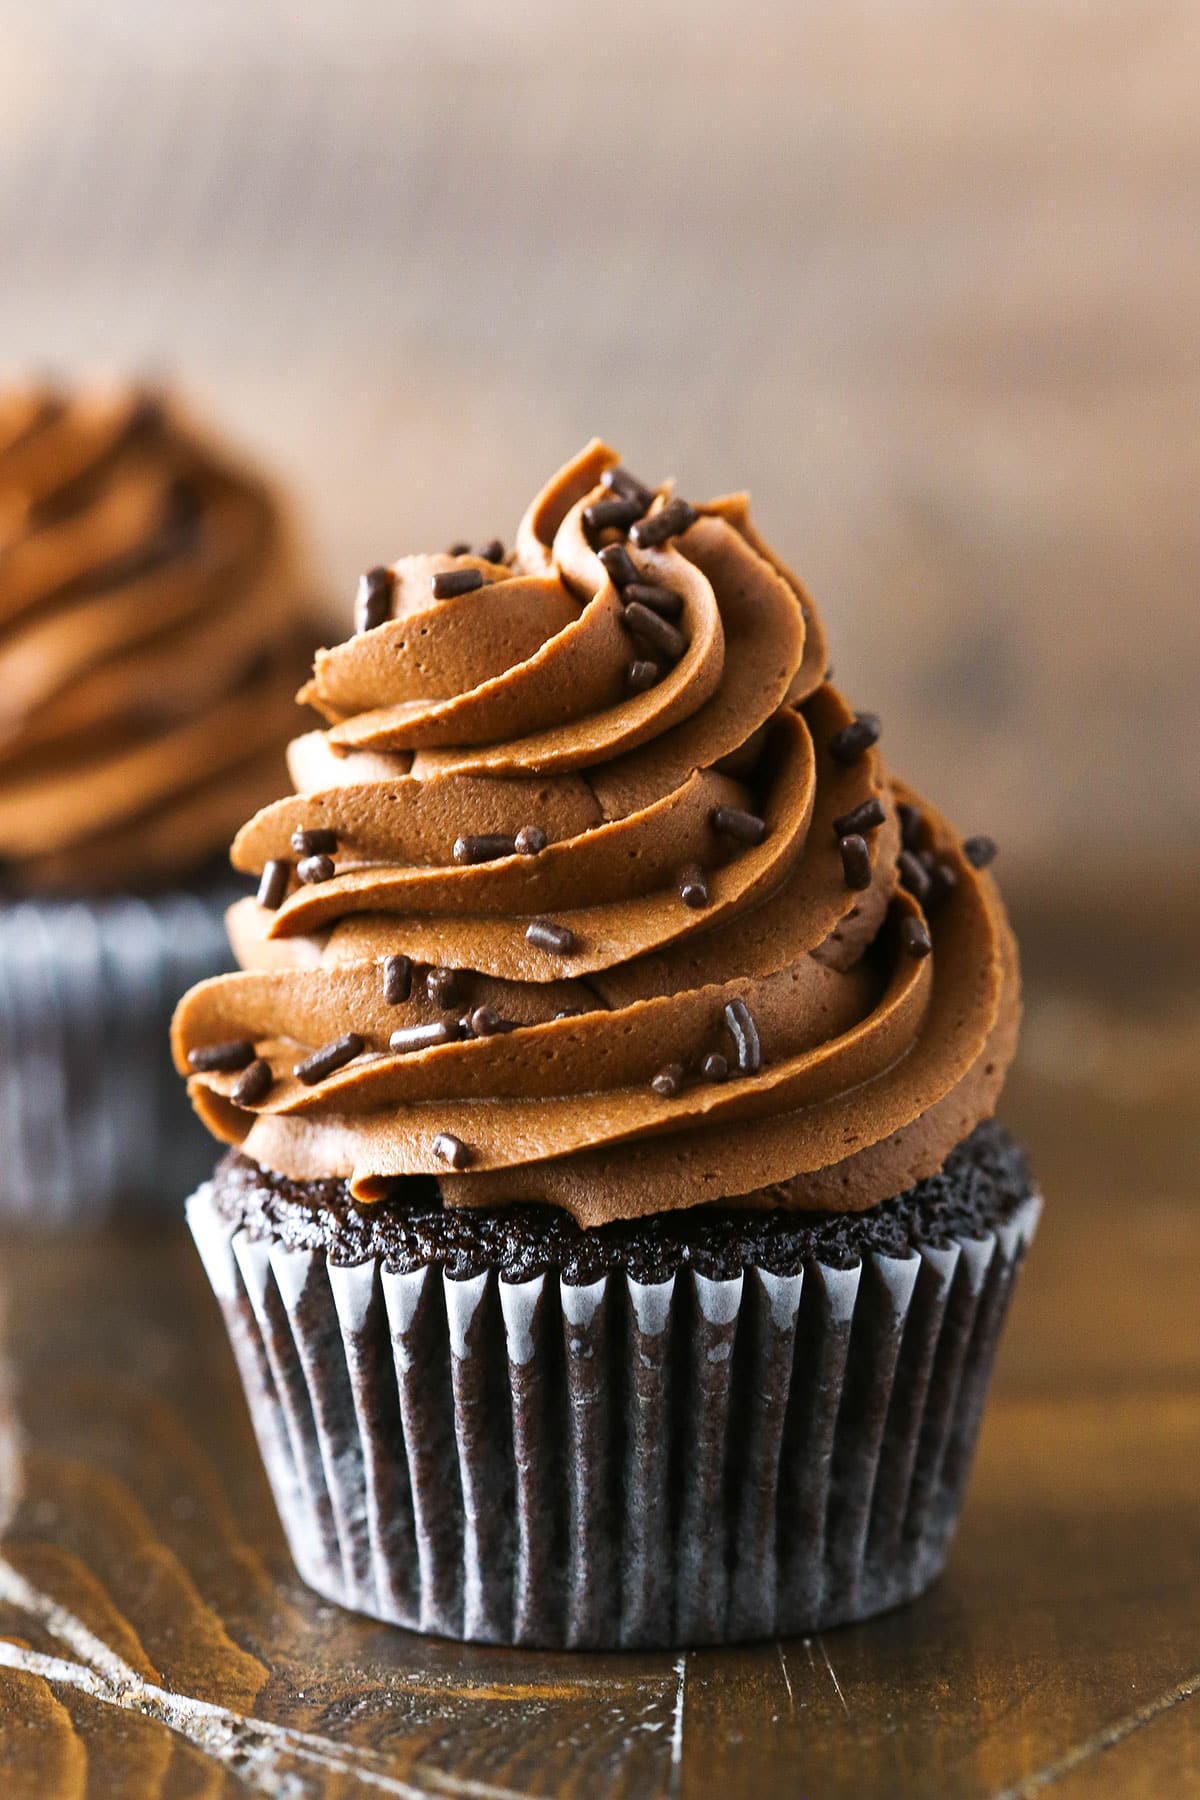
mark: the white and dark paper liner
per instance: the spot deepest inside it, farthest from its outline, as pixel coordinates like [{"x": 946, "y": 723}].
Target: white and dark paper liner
[
  {"x": 618, "y": 1464},
  {"x": 92, "y": 1115}
]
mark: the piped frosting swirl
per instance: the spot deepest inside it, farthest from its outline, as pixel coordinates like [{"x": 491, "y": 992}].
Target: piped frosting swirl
[
  {"x": 601, "y": 909},
  {"x": 150, "y": 641}
]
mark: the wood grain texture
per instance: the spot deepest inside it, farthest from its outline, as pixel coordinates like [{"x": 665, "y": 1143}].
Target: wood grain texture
[{"x": 155, "y": 1641}]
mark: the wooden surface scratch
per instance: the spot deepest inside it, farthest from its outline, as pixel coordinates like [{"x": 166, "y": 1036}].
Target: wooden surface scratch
[{"x": 1079, "y": 1755}]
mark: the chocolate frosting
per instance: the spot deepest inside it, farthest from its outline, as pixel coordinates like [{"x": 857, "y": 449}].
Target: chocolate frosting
[
  {"x": 714, "y": 1013},
  {"x": 150, "y": 641}
]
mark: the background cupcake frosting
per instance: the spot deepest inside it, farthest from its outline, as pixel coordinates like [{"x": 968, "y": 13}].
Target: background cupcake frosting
[
  {"x": 149, "y": 640},
  {"x": 595, "y": 891}
]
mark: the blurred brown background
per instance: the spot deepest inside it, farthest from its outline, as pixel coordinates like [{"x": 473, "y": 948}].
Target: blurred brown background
[{"x": 925, "y": 277}]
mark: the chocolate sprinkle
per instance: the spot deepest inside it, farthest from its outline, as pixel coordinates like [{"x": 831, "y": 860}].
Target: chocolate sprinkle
[
  {"x": 622, "y": 482},
  {"x": 669, "y": 1081},
  {"x": 462, "y": 548},
  {"x": 913, "y": 874},
  {"x": 914, "y": 935},
  {"x": 854, "y": 740},
  {"x": 253, "y": 1084},
  {"x": 425, "y": 1037},
  {"x": 743, "y": 827},
  {"x": 860, "y": 818},
  {"x": 273, "y": 884},
  {"x": 329, "y": 1058},
  {"x": 447, "y": 584},
  {"x": 715, "y": 1067},
  {"x": 980, "y": 851},
  {"x": 531, "y": 840},
  {"x": 450, "y": 1149},
  {"x": 649, "y": 628},
  {"x": 618, "y": 513},
  {"x": 740, "y": 1021},
  {"x": 314, "y": 869},
  {"x": 373, "y": 602},
  {"x": 620, "y": 566},
  {"x": 856, "y": 860},
  {"x": 664, "y": 601},
  {"x": 487, "y": 846},
  {"x": 221, "y": 1058},
  {"x": 492, "y": 551},
  {"x": 485, "y": 1021},
  {"x": 314, "y": 843},
  {"x": 544, "y": 934},
  {"x": 397, "y": 980},
  {"x": 641, "y": 675},
  {"x": 910, "y": 818},
  {"x": 444, "y": 986},
  {"x": 693, "y": 888},
  {"x": 670, "y": 520},
  {"x": 944, "y": 879}
]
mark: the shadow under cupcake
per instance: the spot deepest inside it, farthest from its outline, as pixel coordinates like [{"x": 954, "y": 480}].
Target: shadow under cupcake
[
  {"x": 614, "y": 1244},
  {"x": 151, "y": 640}
]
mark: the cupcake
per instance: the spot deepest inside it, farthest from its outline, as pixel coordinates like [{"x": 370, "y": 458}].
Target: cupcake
[
  {"x": 150, "y": 647},
  {"x": 614, "y": 1239}
]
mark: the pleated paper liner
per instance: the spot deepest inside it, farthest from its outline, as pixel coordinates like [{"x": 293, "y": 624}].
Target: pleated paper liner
[
  {"x": 617, "y": 1464},
  {"x": 93, "y": 1118}
]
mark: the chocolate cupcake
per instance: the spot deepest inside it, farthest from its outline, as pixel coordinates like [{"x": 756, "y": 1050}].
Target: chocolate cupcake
[
  {"x": 151, "y": 640},
  {"x": 614, "y": 1244}
]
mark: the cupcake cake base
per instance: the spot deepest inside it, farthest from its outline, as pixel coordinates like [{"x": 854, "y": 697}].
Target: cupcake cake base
[{"x": 692, "y": 1428}]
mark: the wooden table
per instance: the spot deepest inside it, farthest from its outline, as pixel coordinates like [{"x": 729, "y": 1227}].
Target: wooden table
[{"x": 156, "y": 1641}]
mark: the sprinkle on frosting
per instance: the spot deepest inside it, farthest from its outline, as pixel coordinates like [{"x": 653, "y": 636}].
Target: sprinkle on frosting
[
  {"x": 448, "y": 584},
  {"x": 314, "y": 842},
  {"x": 373, "y": 602},
  {"x": 853, "y": 740},
  {"x": 734, "y": 822},
  {"x": 628, "y": 487},
  {"x": 397, "y": 980},
  {"x": 856, "y": 860},
  {"x": 651, "y": 972},
  {"x": 617, "y": 514},
  {"x": 865, "y": 817},
  {"x": 544, "y": 934},
  {"x": 253, "y": 1084},
  {"x": 235, "y": 1054},
  {"x": 620, "y": 566},
  {"x": 746, "y": 1043},
  {"x": 980, "y": 851},
  {"x": 451, "y": 1150},
  {"x": 315, "y": 868},
  {"x": 671, "y": 519},
  {"x": 914, "y": 935},
  {"x": 273, "y": 883},
  {"x": 329, "y": 1058},
  {"x": 485, "y": 846},
  {"x": 913, "y": 874}
]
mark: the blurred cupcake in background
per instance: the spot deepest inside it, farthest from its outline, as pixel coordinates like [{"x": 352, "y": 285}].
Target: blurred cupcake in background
[{"x": 152, "y": 637}]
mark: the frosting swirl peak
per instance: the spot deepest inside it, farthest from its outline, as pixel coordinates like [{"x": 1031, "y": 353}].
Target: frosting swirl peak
[{"x": 590, "y": 892}]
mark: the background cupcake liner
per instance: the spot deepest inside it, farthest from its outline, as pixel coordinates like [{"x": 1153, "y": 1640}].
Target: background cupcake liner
[
  {"x": 92, "y": 1115},
  {"x": 681, "y": 1463}
]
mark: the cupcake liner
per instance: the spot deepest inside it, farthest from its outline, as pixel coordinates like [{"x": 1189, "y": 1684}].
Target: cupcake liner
[
  {"x": 92, "y": 1116},
  {"x": 619, "y": 1464}
]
